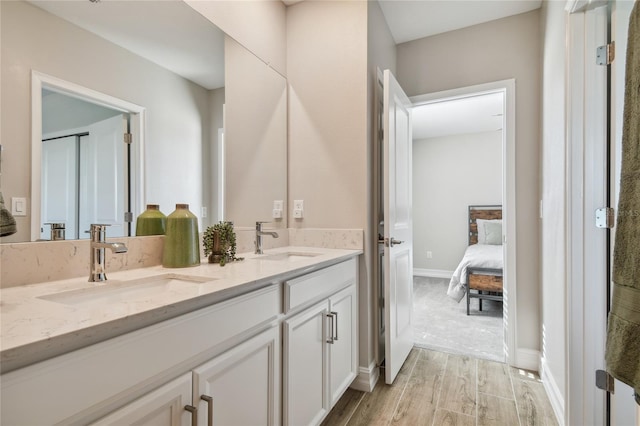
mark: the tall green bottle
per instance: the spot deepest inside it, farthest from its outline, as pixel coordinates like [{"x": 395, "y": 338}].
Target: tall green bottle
[
  {"x": 151, "y": 222},
  {"x": 182, "y": 241}
]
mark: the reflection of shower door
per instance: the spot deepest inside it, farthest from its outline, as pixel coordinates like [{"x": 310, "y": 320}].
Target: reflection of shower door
[
  {"x": 60, "y": 185},
  {"x": 84, "y": 180}
]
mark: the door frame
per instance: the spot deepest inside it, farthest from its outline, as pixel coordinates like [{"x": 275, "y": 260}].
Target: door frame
[
  {"x": 136, "y": 113},
  {"x": 508, "y": 88},
  {"x": 586, "y": 244}
]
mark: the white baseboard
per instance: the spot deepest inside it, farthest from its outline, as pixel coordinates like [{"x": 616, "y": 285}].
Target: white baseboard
[
  {"x": 433, "y": 273},
  {"x": 528, "y": 359},
  {"x": 553, "y": 392},
  {"x": 367, "y": 378}
]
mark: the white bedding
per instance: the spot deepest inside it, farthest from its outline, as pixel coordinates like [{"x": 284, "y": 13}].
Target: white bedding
[{"x": 477, "y": 255}]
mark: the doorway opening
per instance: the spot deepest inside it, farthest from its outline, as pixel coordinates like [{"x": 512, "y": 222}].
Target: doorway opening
[
  {"x": 464, "y": 191},
  {"x": 90, "y": 159}
]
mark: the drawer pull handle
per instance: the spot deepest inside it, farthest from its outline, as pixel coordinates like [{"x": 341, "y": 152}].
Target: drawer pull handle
[
  {"x": 331, "y": 339},
  {"x": 209, "y": 409},
  {"x": 194, "y": 414},
  {"x": 335, "y": 314}
]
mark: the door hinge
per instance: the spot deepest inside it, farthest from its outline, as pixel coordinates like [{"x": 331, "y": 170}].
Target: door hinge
[
  {"x": 128, "y": 217},
  {"x": 605, "y": 218},
  {"x": 128, "y": 138},
  {"x": 606, "y": 54},
  {"x": 604, "y": 381}
]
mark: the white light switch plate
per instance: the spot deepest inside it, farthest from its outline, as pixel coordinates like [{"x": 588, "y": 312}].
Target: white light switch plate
[{"x": 18, "y": 206}]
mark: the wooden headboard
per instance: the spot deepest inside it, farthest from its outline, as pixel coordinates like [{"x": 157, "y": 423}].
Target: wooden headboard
[{"x": 481, "y": 212}]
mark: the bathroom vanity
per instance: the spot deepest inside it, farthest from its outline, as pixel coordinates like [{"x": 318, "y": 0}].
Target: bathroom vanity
[{"x": 270, "y": 340}]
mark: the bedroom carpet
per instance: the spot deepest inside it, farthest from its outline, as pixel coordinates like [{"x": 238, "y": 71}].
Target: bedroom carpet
[{"x": 442, "y": 324}]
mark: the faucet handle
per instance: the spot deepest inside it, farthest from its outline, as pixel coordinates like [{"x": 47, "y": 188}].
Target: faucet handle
[{"x": 97, "y": 231}]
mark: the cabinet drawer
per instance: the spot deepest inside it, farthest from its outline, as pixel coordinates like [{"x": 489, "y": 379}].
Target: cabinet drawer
[
  {"x": 301, "y": 291},
  {"x": 88, "y": 383}
]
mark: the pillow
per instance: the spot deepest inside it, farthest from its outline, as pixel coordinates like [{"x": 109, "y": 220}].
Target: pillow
[
  {"x": 482, "y": 232},
  {"x": 493, "y": 233}
]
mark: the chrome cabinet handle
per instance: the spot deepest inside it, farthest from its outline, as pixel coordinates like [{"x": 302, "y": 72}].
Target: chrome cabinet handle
[
  {"x": 335, "y": 314},
  {"x": 194, "y": 414},
  {"x": 331, "y": 338},
  {"x": 209, "y": 408}
]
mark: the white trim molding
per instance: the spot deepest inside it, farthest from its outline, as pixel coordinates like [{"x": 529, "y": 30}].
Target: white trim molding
[
  {"x": 527, "y": 359},
  {"x": 367, "y": 378},
  {"x": 433, "y": 273},
  {"x": 553, "y": 392}
]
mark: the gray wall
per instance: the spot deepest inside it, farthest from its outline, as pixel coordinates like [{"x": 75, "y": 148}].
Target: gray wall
[
  {"x": 502, "y": 49},
  {"x": 449, "y": 174},
  {"x": 176, "y": 130}
]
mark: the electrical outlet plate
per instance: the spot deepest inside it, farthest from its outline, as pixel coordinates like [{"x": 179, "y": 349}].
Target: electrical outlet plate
[{"x": 298, "y": 209}]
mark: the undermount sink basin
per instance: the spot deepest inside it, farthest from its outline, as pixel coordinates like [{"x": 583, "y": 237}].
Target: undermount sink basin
[
  {"x": 124, "y": 291},
  {"x": 289, "y": 256}
]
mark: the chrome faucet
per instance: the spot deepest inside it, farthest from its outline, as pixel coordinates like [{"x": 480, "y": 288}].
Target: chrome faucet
[
  {"x": 98, "y": 244},
  {"x": 259, "y": 234}
]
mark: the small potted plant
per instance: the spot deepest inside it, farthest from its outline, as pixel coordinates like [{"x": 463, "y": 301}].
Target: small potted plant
[{"x": 219, "y": 243}]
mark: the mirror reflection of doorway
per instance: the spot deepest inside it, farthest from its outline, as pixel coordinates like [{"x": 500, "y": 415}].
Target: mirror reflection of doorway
[{"x": 85, "y": 166}]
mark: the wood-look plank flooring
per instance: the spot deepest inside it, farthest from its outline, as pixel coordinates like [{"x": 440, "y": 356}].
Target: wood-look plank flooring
[{"x": 435, "y": 388}]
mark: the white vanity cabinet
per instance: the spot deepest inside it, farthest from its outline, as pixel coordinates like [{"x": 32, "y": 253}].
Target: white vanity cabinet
[
  {"x": 243, "y": 384},
  {"x": 282, "y": 353},
  {"x": 161, "y": 407},
  {"x": 319, "y": 343},
  {"x": 126, "y": 375},
  {"x": 217, "y": 392}
]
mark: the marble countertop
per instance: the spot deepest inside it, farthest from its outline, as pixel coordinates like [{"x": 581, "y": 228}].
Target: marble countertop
[{"x": 35, "y": 324}]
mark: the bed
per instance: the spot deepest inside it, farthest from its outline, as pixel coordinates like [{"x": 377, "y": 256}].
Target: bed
[{"x": 479, "y": 273}]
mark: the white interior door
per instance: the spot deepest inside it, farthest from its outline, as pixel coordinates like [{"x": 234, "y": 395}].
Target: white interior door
[
  {"x": 59, "y": 185},
  {"x": 398, "y": 250},
  {"x": 102, "y": 185}
]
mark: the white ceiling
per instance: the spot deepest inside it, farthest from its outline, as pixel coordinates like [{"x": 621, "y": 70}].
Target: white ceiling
[
  {"x": 169, "y": 33},
  {"x": 414, "y": 19},
  {"x": 460, "y": 116}
]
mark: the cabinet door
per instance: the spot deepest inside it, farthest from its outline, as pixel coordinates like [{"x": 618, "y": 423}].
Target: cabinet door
[
  {"x": 243, "y": 383},
  {"x": 163, "y": 406},
  {"x": 343, "y": 351},
  {"x": 305, "y": 372}
]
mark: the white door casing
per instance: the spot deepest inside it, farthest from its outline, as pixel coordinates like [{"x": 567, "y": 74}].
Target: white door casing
[{"x": 398, "y": 229}]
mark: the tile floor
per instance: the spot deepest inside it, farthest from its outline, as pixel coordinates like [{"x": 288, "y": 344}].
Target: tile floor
[{"x": 436, "y": 388}]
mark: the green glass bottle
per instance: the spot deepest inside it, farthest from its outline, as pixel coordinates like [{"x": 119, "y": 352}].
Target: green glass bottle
[
  {"x": 151, "y": 222},
  {"x": 182, "y": 241}
]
